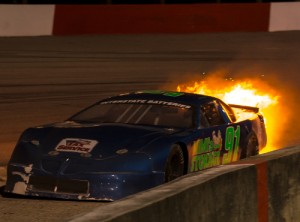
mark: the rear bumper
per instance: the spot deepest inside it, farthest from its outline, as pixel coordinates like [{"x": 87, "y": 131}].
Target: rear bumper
[{"x": 26, "y": 180}]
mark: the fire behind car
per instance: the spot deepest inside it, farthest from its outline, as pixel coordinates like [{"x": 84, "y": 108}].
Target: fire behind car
[{"x": 132, "y": 142}]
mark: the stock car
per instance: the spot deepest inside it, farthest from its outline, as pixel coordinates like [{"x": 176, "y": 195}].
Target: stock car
[{"x": 129, "y": 143}]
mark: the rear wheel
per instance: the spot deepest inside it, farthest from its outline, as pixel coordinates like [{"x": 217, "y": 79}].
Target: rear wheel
[
  {"x": 175, "y": 163},
  {"x": 251, "y": 146}
]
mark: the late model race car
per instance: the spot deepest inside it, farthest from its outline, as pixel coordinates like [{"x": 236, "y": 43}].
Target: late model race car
[{"x": 129, "y": 143}]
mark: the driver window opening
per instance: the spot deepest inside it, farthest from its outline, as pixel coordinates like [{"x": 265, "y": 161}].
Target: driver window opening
[{"x": 211, "y": 113}]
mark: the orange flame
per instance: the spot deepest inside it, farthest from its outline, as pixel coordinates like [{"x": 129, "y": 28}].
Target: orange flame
[{"x": 240, "y": 93}]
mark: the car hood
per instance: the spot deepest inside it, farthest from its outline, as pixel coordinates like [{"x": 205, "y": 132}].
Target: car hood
[{"x": 94, "y": 140}]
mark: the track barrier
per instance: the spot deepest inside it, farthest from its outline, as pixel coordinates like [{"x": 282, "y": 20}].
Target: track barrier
[
  {"x": 261, "y": 188},
  {"x": 37, "y": 20}
]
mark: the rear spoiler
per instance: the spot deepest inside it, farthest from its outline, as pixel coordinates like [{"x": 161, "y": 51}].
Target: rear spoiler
[{"x": 248, "y": 108}]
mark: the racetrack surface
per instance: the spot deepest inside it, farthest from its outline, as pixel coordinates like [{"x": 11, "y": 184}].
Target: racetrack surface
[{"x": 47, "y": 79}]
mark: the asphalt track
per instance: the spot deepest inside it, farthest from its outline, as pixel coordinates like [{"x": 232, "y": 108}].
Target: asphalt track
[{"x": 46, "y": 79}]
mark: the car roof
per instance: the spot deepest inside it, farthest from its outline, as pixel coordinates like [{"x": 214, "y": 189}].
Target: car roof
[{"x": 170, "y": 96}]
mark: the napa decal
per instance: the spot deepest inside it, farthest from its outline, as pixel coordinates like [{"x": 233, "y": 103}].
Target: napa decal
[
  {"x": 207, "y": 152},
  {"x": 76, "y": 145}
]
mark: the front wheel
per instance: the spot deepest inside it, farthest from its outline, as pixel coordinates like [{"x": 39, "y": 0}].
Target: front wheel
[{"x": 175, "y": 164}]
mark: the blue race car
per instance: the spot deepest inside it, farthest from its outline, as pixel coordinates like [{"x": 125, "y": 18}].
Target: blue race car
[{"x": 132, "y": 142}]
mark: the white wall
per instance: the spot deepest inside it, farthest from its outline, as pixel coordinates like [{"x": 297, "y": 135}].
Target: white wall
[
  {"x": 284, "y": 16},
  {"x": 26, "y": 20}
]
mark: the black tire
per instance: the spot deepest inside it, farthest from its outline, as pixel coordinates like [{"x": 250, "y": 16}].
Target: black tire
[
  {"x": 175, "y": 163},
  {"x": 251, "y": 148}
]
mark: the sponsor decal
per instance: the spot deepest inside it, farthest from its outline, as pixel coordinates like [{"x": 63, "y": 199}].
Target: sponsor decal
[
  {"x": 168, "y": 104},
  {"x": 172, "y": 94},
  {"x": 138, "y": 101},
  {"x": 232, "y": 142},
  {"x": 76, "y": 145},
  {"x": 206, "y": 152},
  {"x": 142, "y": 101}
]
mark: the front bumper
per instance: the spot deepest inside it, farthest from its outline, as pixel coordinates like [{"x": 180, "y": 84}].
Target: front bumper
[{"x": 27, "y": 180}]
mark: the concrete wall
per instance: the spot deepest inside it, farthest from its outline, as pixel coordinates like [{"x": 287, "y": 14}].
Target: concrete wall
[
  {"x": 284, "y": 188},
  {"x": 34, "y": 20},
  {"x": 262, "y": 188}
]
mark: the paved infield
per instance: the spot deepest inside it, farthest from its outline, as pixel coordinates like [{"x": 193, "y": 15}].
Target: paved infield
[{"x": 46, "y": 79}]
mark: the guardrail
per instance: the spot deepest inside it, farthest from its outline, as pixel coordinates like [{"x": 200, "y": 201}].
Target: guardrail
[{"x": 261, "y": 188}]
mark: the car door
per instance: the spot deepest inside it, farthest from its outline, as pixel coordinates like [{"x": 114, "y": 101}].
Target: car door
[{"x": 219, "y": 141}]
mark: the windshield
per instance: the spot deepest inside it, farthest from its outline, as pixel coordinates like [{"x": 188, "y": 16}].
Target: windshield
[{"x": 139, "y": 114}]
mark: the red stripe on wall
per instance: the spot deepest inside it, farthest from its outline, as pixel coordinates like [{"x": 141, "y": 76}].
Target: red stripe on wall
[
  {"x": 262, "y": 191},
  {"x": 137, "y": 19}
]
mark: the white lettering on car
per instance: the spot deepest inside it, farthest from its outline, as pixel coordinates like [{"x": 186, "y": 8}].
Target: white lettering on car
[{"x": 76, "y": 145}]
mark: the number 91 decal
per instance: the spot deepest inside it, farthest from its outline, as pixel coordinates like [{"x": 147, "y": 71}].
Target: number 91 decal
[{"x": 232, "y": 141}]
